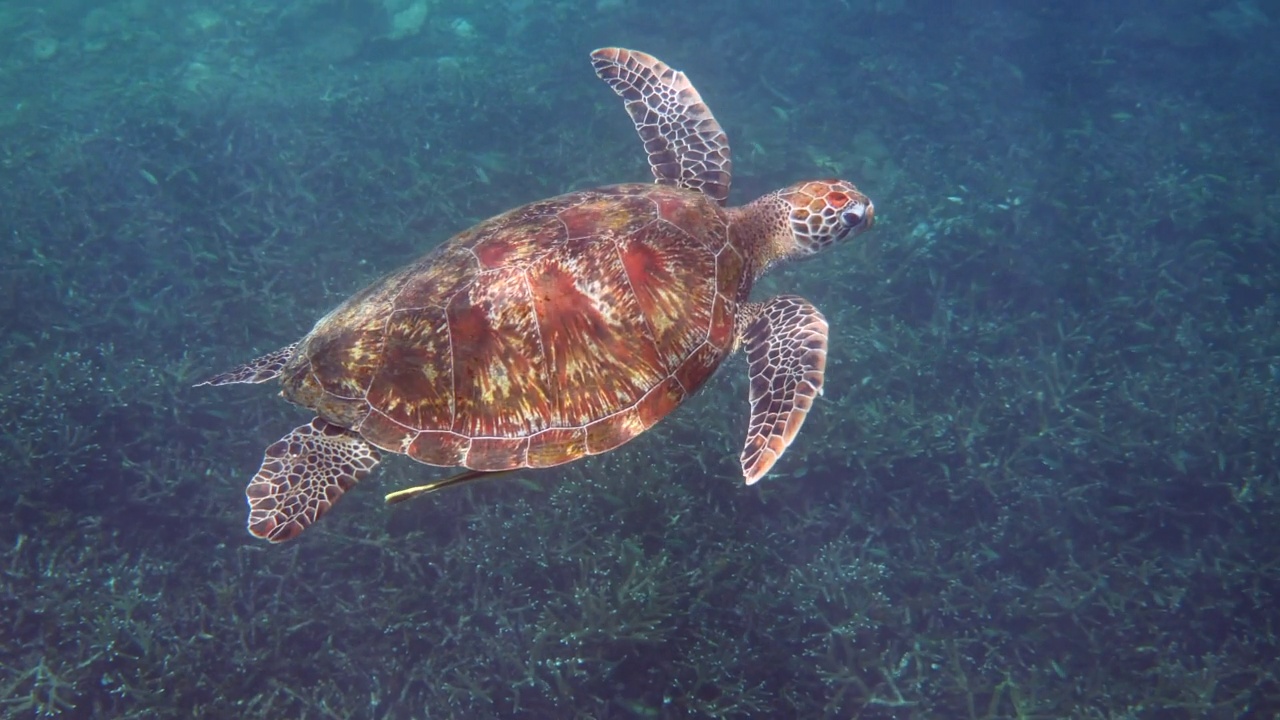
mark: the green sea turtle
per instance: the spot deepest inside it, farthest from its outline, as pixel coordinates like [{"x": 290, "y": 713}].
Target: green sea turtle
[{"x": 565, "y": 327}]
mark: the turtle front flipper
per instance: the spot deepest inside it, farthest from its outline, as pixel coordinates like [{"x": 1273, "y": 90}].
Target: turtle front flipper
[
  {"x": 302, "y": 475},
  {"x": 686, "y": 146},
  {"x": 785, "y": 340},
  {"x": 258, "y": 370}
]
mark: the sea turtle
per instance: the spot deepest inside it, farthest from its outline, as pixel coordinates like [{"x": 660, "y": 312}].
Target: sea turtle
[{"x": 565, "y": 327}]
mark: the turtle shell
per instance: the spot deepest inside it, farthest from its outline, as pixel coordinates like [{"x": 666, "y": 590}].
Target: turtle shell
[{"x": 559, "y": 329}]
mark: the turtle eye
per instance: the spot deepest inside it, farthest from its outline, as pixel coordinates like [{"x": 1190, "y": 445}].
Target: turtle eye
[{"x": 858, "y": 215}]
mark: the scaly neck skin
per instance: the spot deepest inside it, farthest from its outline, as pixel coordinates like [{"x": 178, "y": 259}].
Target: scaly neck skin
[{"x": 761, "y": 231}]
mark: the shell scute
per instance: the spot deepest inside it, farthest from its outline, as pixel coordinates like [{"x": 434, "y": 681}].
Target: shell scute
[
  {"x": 440, "y": 447},
  {"x": 609, "y": 432},
  {"x": 672, "y": 284},
  {"x": 674, "y": 208},
  {"x": 412, "y": 386},
  {"x": 527, "y": 234},
  {"x": 501, "y": 384},
  {"x": 557, "y": 445},
  {"x": 721, "y": 330},
  {"x": 732, "y": 276},
  {"x": 594, "y": 334},
  {"x": 343, "y": 360},
  {"x": 384, "y": 433},
  {"x": 436, "y": 278},
  {"x": 497, "y": 453},
  {"x": 698, "y": 366},
  {"x": 604, "y": 218}
]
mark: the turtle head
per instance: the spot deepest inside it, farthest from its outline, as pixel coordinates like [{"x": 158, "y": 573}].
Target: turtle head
[{"x": 821, "y": 213}]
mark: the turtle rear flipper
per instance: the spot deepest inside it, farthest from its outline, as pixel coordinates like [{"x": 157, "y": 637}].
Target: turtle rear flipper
[
  {"x": 302, "y": 475},
  {"x": 785, "y": 340},
  {"x": 258, "y": 370}
]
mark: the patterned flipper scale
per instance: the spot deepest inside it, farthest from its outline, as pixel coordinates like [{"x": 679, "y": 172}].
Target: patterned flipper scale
[
  {"x": 686, "y": 146},
  {"x": 258, "y": 370},
  {"x": 302, "y": 475},
  {"x": 785, "y": 340}
]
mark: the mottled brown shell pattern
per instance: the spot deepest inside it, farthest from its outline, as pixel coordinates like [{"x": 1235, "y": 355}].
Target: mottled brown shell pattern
[{"x": 559, "y": 329}]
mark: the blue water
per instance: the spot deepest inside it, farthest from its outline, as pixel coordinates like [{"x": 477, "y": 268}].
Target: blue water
[{"x": 1041, "y": 482}]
